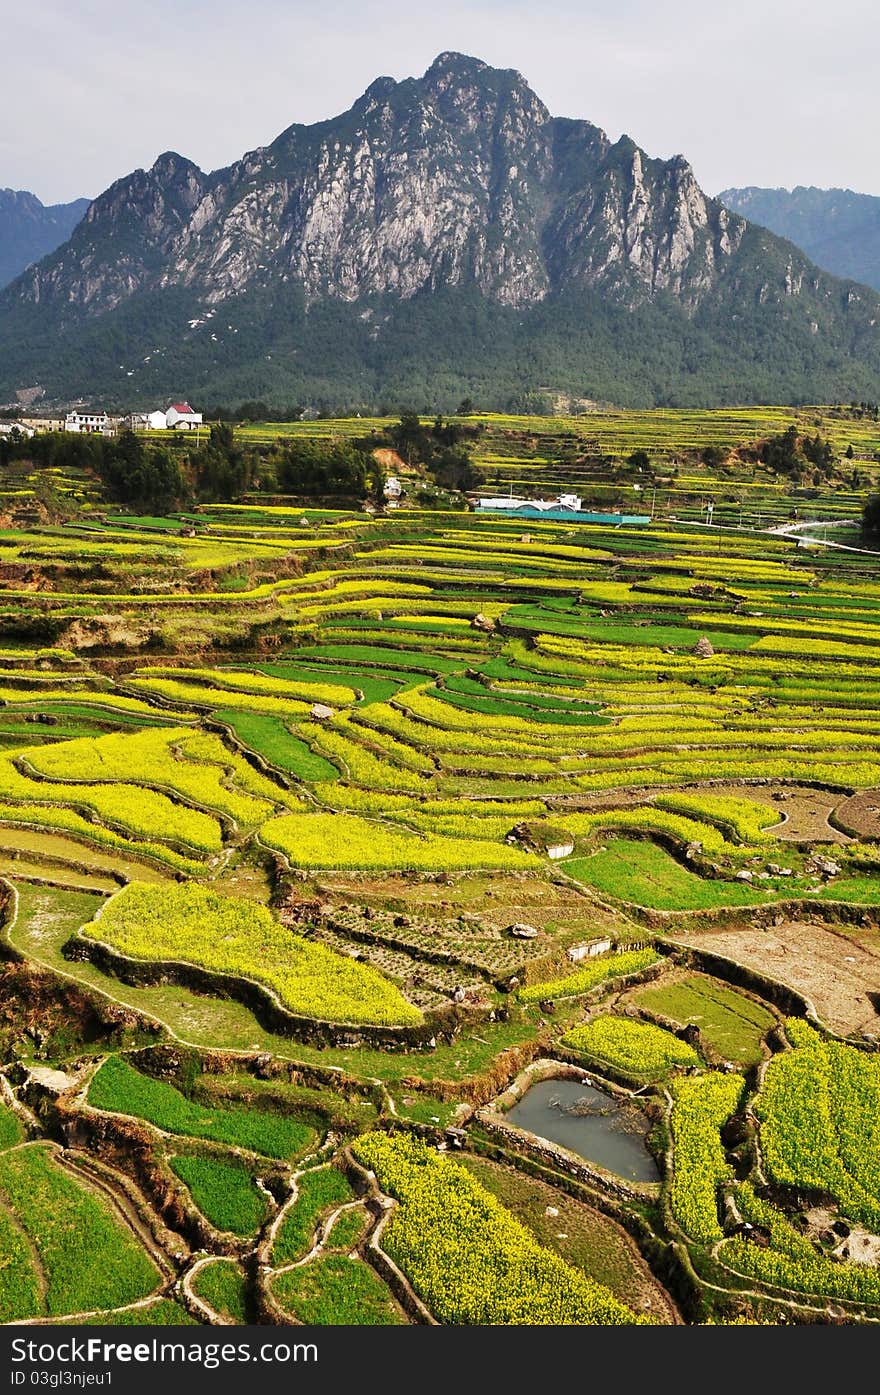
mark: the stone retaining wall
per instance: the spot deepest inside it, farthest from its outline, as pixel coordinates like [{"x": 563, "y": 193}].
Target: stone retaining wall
[{"x": 261, "y": 1001}]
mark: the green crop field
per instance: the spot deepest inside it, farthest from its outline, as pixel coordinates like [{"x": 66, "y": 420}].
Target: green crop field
[
  {"x": 119, "y": 1088},
  {"x": 646, "y": 875},
  {"x": 318, "y": 1193},
  {"x": 315, "y": 835},
  {"x": 221, "y": 1285},
  {"x": 224, "y": 1191},
  {"x": 337, "y": 1290},
  {"x": 84, "y": 1257},
  {"x": 731, "y": 1023}
]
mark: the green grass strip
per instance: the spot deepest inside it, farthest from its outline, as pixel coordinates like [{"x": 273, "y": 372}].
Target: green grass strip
[{"x": 121, "y": 1089}]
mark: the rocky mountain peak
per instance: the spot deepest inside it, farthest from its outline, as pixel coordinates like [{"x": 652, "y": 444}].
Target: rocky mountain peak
[
  {"x": 456, "y": 183},
  {"x": 455, "y": 178}
]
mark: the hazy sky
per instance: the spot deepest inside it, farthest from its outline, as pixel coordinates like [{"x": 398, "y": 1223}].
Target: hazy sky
[{"x": 753, "y": 92}]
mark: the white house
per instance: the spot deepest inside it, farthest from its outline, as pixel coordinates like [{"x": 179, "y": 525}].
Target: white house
[
  {"x": 145, "y": 421},
  {"x": 393, "y": 488},
  {"x": 88, "y": 423},
  {"x": 181, "y": 417}
]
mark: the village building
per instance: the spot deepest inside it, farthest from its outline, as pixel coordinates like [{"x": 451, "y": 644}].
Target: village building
[
  {"x": 181, "y": 417},
  {"x": 89, "y": 423},
  {"x": 46, "y": 423},
  {"x": 146, "y": 421}
]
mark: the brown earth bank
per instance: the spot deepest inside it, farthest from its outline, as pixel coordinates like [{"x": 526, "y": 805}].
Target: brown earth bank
[{"x": 42, "y": 1015}]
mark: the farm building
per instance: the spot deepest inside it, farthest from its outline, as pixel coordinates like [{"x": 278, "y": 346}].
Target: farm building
[
  {"x": 181, "y": 417},
  {"x": 566, "y": 506}
]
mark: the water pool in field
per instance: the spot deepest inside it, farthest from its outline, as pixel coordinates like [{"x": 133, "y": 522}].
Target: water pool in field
[{"x": 589, "y": 1122}]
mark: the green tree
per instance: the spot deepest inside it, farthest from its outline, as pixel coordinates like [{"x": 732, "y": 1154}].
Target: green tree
[
  {"x": 871, "y": 515},
  {"x": 311, "y": 468},
  {"x": 452, "y": 468},
  {"x": 819, "y": 452},
  {"x": 223, "y": 469},
  {"x": 411, "y": 440},
  {"x": 782, "y": 452}
]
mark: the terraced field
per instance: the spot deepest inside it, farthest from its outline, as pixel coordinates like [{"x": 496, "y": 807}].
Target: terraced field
[{"x": 314, "y": 837}]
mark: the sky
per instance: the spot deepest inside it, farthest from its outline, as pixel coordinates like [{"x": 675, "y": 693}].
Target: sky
[{"x": 766, "y": 92}]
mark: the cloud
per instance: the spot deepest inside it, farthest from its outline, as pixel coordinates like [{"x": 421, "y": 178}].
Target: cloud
[{"x": 763, "y": 92}]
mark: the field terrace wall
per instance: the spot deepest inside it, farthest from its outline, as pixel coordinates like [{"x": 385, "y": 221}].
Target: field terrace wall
[
  {"x": 175, "y": 1063},
  {"x": 134, "y": 1148},
  {"x": 479, "y": 1089},
  {"x": 261, "y": 1001}
]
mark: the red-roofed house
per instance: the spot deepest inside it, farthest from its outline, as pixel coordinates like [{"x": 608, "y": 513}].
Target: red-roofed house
[{"x": 181, "y": 417}]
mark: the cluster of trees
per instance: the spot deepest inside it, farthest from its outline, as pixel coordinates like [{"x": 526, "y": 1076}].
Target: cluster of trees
[
  {"x": 257, "y": 410},
  {"x": 790, "y": 454},
  {"x": 131, "y": 471},
  {"x": 161, "y": 476},
  {"x": 164, "y": 476},
  {"x": 871, "y": 515},
  {"x": 310, "y": 468},
  {"x": 224, "y": 468},
  {"x": 440, "y": 448}
]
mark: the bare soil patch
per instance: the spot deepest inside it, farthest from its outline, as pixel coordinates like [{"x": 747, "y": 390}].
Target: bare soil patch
[
  {"x": 837, "y": 971},
  {"x": 860, "y": 813},
  {"x": 802, "y": 811}
]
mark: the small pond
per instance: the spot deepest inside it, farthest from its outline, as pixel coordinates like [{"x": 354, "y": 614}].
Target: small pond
[{"x": 589, "y": 1122}]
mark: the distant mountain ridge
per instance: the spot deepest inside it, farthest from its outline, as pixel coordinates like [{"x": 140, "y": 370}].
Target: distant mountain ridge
[
  {"x": 837, "y": 228},
  {"x": 30, "y": 230},
  {"x": 444, "y": 237}
]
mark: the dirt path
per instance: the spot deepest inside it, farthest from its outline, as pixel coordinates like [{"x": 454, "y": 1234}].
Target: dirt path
[{"x": 196, "y": 1302}]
